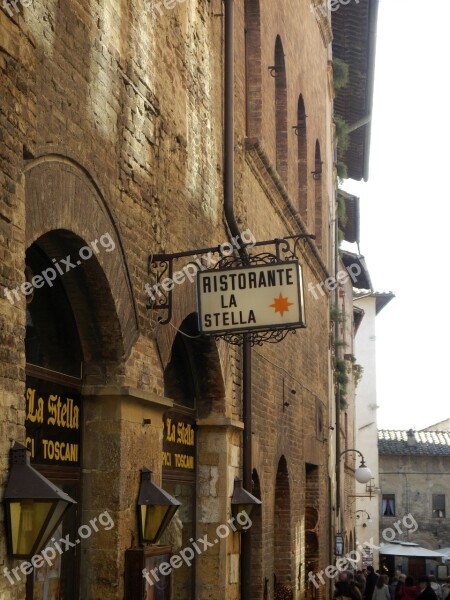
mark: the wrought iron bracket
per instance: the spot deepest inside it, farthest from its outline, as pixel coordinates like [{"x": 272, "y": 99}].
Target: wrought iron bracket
[{"x": 163, "y": 278}]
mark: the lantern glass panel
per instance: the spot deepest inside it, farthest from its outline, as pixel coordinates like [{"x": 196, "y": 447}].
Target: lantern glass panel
[
  {"x": 27, "y": 520},
  {"x": 237, "y": 509},
  {"x": 55, "y": 518},
  {"x": 152, "y": 518}
]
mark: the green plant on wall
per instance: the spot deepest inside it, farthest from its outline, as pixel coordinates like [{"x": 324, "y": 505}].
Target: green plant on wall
[
  {"x": 337, "y": 316},
  {"x": 341, "y": 171},
  {"x": 342, "y": 134},
  {"x": 358, "y": 372},
  {"x": 340, "y": 73},
  {"x": 342, "y": 379},
  {"x": 341, "y": 217}
]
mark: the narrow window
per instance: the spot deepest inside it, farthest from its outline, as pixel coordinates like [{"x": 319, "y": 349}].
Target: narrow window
[
  {"x": 317, "y": 174},
  {"x": 388, "y": 505},
  {"x": 253, "y": 68},
  {"x": 281, "y": 112},
  {"x": 439, "y": 506},
  {"x": 302, "y": 160}
]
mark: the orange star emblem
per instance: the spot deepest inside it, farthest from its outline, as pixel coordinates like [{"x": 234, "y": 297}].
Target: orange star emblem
[{"x": 281, "y": 304}]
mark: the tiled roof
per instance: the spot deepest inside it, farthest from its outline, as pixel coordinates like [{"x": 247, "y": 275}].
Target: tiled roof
[
  {"x": 414, "y": 442},
  {"x": 382, "y": 298},
  {"x": 354, "y": 41}
]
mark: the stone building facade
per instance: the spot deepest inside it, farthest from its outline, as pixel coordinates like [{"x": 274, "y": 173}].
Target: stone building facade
[
  {"x": 111, "y": 142},
  {"x": 414, "y": 467}
]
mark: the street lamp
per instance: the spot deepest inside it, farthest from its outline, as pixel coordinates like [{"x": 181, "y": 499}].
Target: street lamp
[
  {"x": 242, "y": 502},
  {"x": 156, "y": 509},
  {"x": 362, "y": 474},
  {"x": 339, "y": 549},
  {"x": 34, "y": 506}
]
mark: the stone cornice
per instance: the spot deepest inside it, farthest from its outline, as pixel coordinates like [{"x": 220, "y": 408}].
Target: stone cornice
[{"x": 128, "y": 392}]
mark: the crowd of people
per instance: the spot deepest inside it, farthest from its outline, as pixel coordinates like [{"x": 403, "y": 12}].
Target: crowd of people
[{"x": 370, "y": 585}]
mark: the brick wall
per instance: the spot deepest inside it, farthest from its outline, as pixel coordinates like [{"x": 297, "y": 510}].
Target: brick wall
[{"x": 112, "y": 120}]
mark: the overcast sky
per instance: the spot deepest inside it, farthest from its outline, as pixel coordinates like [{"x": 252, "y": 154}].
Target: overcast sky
[{"x": 405, "y": 211}]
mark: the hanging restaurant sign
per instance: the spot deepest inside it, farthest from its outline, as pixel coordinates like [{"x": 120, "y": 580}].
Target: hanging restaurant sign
[
  {"x": 52, "y": 423},
  {"x": 259, "y": 297},
  {"x": 247, "y": 297}
]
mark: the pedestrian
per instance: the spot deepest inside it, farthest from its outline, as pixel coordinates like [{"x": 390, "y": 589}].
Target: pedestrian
[
  {"x": 398, "y": 587},
  {"x": 408, "y": 591},
  {"x": 381, "y": 591},
  {"x": 361, "y": 582},
  {"x": 393, "y": 585},
  {"x": 371, "y": 581},
  {"x": 446, "y": 589},
  {"x": 426, "y": 592},
  {"x": 343, "y": 588},
  {"x": 436, "y": 587},
  {"x": 356, "y": 592}
]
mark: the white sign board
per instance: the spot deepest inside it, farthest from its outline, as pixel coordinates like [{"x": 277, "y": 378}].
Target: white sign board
[{"x": 262, "y": 297}]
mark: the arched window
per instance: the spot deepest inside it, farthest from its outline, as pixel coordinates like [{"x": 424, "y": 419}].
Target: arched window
[
  {"x": 317, "y": 174},
  {"x": 302, "y": 160},
  {"x": 281, "y": 112},
  {"x": 253, "y": 67}
]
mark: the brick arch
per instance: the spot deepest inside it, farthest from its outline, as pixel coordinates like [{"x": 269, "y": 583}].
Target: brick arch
[
  {"x": 281, "y": 138},
  {"x": 253, "y": 67},
  {"x": 318, "y": 208},
  {"x": 63, "y": 199},
  {"x": 282, "y": 525},
  {"x": 204, "y": 364},
  {"x": 302, "y": 158},
  {"x": 87, "y": 290}
]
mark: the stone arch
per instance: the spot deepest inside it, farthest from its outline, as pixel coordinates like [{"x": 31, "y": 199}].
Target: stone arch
[
  {"x": 282, "y": 525},
  {"x": 253, "y": 67},
  {"x": 65, "y": 210},
  {"x": 281, "y": 138}
]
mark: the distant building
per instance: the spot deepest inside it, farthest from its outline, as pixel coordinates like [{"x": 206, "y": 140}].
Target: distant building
[
  {"x": 414, "y": 469},
  {"x": 367, "y": 305}
]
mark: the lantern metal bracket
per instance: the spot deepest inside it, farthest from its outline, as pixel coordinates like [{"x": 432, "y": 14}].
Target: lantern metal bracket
[{"x": 163, "y": 278}]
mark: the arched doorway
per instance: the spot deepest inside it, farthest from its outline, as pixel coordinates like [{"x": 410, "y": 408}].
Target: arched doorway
[
  {"x": 54, "y": 371},
  {"x": 81, "y": 324},
  {"x": 197, "y": 391},
  {"x": 259, "y": 583},
  {"x": 311, "y": 528},
  {"x": 282, "y": 529}
]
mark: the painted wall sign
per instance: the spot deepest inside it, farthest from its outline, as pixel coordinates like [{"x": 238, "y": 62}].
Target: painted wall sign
[
  {"x": 52, "y": 423},
  {"x": 179, "y": 442},
  {"x": 262, "y": 297}
]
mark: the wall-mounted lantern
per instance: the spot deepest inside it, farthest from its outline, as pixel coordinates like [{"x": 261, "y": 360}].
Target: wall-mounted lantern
[
  {"x": 339, "y": 545},
  {"x": 242, "y": 501},
  {"x": 362, "y": 474},
  {"x": 34, "y": 506},
  {"x": 368, "y": 520},
  {"x": 156, "y": 509}
]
